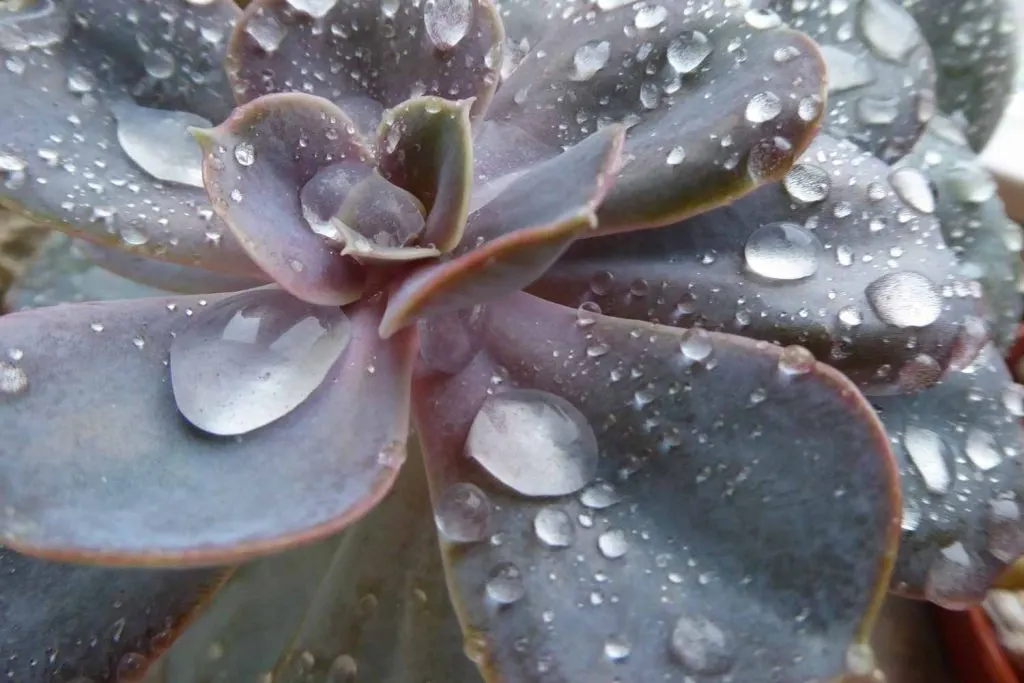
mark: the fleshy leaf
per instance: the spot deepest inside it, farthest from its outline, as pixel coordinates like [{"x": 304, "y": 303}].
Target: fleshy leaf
[
  {"x": 426, "y": 147},
  {"x": 718, "y": 100},
  {"x": 128, "y": 481},
  {"x": 881, "y": 75},
  {"x": 368, "y": 56},
  {"x": 959, "y": 446},
  {"x": 67, "y": 161},
  {"x": 256, "y": 164},
  {"x": 62, "y": 621},
  {"x": 512, "y": 240},
  {"x": 843, "y": 257},
  {"x": 383, "y": 608},
  {"x": 709, "y": 542},
  {"x": 974, "y": 223},
  {"x": 250, "y": 359},
  {"x": 976, "y": 52}
]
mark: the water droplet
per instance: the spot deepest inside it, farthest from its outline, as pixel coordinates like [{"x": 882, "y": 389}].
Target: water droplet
[
  {"x": 982, "y": 449},
  {"x": 767, "y": 157},
  {"x": 763, "y": 106},
  {"x": 599, "y": 495},
  {"x": 927, "y": 452},
  {"x": 447, "y": 21},
  {"x": 34, "y": 25},
  {"x": 911, "y": 185},
  {"x": 888, "y": 29},
  {"x": 613, "y": 543},
  {"x": 905, "y": 299},
  {"x": 159, "y": 63},
  {"x": 13, "y": 380},
  {"x": 245, "y": 154},
  {"x": 849, "y": 316},
  {"x": 920, "y": 372},
  {"x": 389, "y": 8},
  {"x": 688, "y": 51},
  {"x": 649, "y": 16},
  {"x": 676, "y": 155},
  {"x": 955, "y": 580},
  {"x": 807, "y": 183},
  {"x": 81, "y": 80},
  {"x": 554, "y": 527},
  {"x": 796, "y": 360},
  {"x": 617, "y": 648},
  {"x": 701, "y": 646},
  {"x": 1005, "y": 532},
  {"x": 970, "y": 183},
  {"x": 590, "y": 58},
  {"x": 1013, "y": 400},
  {"x": 846, "y": 71},
  {"x": 463, "y": 513},
  {"x": 762, "y": 19},
  {"x": 343, "y": 669},
  {"x": 252, "y": 358},
  {"x": 159, "y": 142},
  {"x": 505, "y": 584},
  {"x": 782, "y": 251},
  {"x": 536, "y": 443},
  {"x": 317, "y": 9},
  {"x": 696, "y": 344},
  {"x": 266, "y": 30}
]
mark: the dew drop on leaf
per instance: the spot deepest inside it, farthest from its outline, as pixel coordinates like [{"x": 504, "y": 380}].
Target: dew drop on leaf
[
  {"x": 463, "y": 513},
  {"x": 905, "y": 299},
  {"x": 536, "y": 443},
  {"x": 590, "y": 58},
  {"x": 158, "y": 141},
  {"x": 505, "y": 584},
  {"x": 553, "y": 527},
  {"x": 700, "y": 646},
  {"x": 447, "y": 21},
  {"x": 782, "y": 251}
]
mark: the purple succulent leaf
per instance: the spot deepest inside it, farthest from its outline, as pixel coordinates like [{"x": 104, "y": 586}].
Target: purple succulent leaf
[
  {"x": 165, "y": 275},
  {"x": 513, "y": 239},
  {"x": 425, "y": 146},
  {"x": 881, "y": 74},
  {"x": 958, "y": 445},
  {"x": 96, "y": 145},
  {"x": 62, "y": 621},
  {"x": 843, "y": 257},
  {"x": 61, "y": 273},
  {"x": 976, "y": 48},
  {"x": 368, "y": 56},
  {"x": 718, "y": 101},
  {"x": 382, "y": 607},
  {"x": 705, "y": 539},
  {"x": 129, "y": 481},
  {"x": 255, "y": 166},
  {"x": 974, "y": 224}
]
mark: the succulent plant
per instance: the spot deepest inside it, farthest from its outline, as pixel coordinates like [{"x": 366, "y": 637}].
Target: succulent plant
[{"x": 575, "y": 293}]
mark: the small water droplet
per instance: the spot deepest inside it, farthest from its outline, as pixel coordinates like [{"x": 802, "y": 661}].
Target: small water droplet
[
  {"x": 245, "y": 153},
  {"x": 536, "y": 443},
  {"x": 613, "y": 543},
  {"x": 982, "y": 450},
  {"x": 911, "y": 185},
  {"x": 590, "y": 58},
  {"x": 763, "y": 106},
  {"x": 850, "y": 316},
  {"x": 505, "y": 584},
  {"x": 807, "y": 183},
  {"x": 599, "y": 495},
  {"x": 463, "y": 513},
  {"x": 649, "y": 16},
  {"x": 927, "y": 452},
  {"x": 796, "y": 360},
  {"x": 13, "y": 380},
  {"x": 701, "y": 646},
  {"x": 617, "y": 648},
  {"x": 554, "y": 527},
  {"x": 696, "y": 344},
  {"x": 688, "y": 51},
  {"x": 782, "y": 251},
  {"x": 905, "y": 299},
  {"x": 676, "y": 155},
  {"x": 317, "y": 9}
]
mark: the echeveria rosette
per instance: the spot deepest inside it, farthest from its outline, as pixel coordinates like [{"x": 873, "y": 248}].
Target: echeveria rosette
[{"x": 399, "y": 171}]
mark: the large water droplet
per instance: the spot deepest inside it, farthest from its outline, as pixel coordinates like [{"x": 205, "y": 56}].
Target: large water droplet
[
  {"x": 911, "y": 185},
  {"x": 696, "y": 344},
  {"x": 982, "y": 449},
  {"x": 554, "y": 527},
  {"x": 782, "y": 251},
  {"x": 767, "y": 157},
  {"x": 590, "y": 58},
  {"x": 905, "y": 299},
  {"x": 617, "y": 648},
  {"x": 928, "y": 453},
  {"x": 317, "y": 9},
  {"x": 649, "y": 16},
  {"x": 807, "y": 183},
  {"x": 536, "y": 443},
  {"x": 613, "y": 543},
  {"x": 888, "y": 29},
  {"x": 252, "y": 358},
  {"x": 701, "y": 646},
  {"x": 763, "y": 106},
  {"x": 846, "y": 71},
  {"x": 159, "y": 142},
  {"x": 447, "y": 21},
  {"x": 688, "y": 51},
  {"x": 463, "y": 513},
  {"x": 505, "y": 584},
  {"x": 266, "y": 30}
]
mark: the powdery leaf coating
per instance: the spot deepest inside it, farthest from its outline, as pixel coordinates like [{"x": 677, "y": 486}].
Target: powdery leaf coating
[
  {"x": 842, "y": 257},
  {"x": 647, "y": 573}
]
